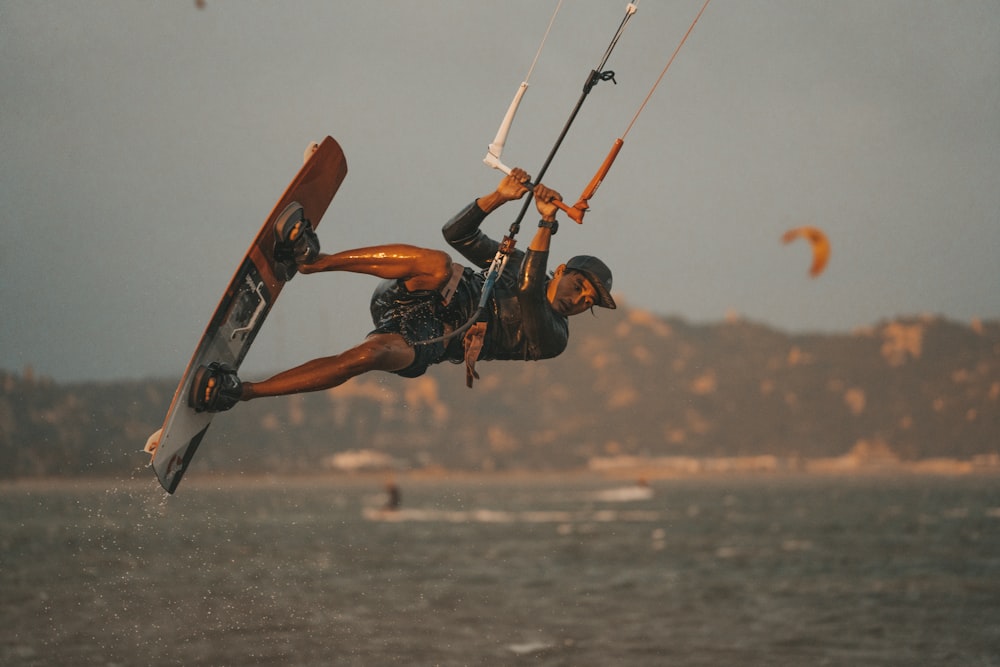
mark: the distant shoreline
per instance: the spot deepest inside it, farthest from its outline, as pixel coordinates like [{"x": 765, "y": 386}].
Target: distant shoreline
[
  {"x": 854, "y": 463},
  {"x": 751, "y": 468}
]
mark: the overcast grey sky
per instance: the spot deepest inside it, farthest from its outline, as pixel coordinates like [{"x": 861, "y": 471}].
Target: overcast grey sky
[{"x": 143, "y": 143}]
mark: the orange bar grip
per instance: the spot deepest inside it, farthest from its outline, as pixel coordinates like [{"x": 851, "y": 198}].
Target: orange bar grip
[
  {"x": 575, "y": 214},
  {"x": 584, "y": 202}
]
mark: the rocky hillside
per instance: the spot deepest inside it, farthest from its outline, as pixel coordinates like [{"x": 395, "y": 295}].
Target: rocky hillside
[{"x": 631, "y": 384}]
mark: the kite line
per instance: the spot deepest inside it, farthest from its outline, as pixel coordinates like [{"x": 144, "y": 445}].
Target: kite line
[
  {"x": 577, "y": 210},
  {"x": 495, "y": 149},
  {"x": 583, "y": 204}
]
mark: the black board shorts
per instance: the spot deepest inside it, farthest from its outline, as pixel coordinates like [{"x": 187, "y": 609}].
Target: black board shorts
[{"x": 417, "y": 317}]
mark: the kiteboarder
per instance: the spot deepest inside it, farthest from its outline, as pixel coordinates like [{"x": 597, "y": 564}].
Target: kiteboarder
[
  {"x": 424, "y": 298},
  {"x": 393, "y": 497}
]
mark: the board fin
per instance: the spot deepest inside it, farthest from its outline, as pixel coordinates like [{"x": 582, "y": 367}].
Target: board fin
[{"x": 153, "y": 441}]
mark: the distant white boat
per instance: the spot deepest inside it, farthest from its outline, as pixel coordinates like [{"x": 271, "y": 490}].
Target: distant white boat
[
  {"x": 484, "y": 515},
  {"x": 625, "y": 494},
  {"x": 528, "y": 648}
]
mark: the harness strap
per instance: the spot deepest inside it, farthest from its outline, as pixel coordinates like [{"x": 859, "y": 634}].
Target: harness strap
[
  {"x": 473, "y": 342},
  {"x": 448, "y": 291}
]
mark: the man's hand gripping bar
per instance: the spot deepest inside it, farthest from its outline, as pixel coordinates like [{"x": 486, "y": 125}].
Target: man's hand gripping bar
[
  {"x": 574, "y": 213},
  {"x": 577, "y": 210}
]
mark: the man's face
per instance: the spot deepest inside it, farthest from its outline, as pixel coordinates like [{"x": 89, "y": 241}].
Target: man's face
[{"x": 571, "y": 293}]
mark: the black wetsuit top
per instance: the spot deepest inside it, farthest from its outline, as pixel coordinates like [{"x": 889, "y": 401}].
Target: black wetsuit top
[{"x": 521, "y": 324}]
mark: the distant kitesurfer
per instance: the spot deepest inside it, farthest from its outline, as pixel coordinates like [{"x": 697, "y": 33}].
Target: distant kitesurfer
[
  {"x": 393, "y": 497},
  {"x": 425, "y": 296}
]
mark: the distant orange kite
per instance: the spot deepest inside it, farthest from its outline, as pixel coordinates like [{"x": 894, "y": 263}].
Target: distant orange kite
[{"x": 820, "y": 246}]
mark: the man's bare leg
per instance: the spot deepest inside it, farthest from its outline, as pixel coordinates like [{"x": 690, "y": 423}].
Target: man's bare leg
[
  {"x": 419, "y": 268},
  {"x": 379, "y": 352}
]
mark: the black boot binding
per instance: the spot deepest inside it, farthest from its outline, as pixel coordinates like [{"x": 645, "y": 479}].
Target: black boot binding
[
  {"x": 295, "y": 242},
  {"x": 215, "y": 388}
]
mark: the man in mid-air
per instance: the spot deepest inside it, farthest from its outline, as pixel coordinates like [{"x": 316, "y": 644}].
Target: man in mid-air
[{"x": 425, "y": 298}]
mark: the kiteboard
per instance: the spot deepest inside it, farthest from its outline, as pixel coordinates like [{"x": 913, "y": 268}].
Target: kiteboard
[{"x": 242, "y": 310}]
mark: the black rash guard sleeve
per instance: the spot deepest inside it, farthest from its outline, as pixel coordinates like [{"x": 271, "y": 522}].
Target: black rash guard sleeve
[{"x": 463, "y": 234}]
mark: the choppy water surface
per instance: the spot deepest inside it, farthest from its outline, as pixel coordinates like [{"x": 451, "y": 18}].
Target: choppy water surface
[{"x": 722, "y": 571}]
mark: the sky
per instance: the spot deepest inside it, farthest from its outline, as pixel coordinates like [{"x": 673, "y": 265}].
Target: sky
[{"x": 142, "y": 144}]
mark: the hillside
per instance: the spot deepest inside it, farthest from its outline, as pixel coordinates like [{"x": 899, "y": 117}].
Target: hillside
[{"x": 631, "y": 384}]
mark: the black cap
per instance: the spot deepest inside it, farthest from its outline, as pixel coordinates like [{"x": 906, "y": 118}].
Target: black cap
[{"x": 598, "y": 274}]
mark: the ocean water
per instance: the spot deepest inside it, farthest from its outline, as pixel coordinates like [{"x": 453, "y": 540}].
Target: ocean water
[{"x": 489, "y": 571}]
